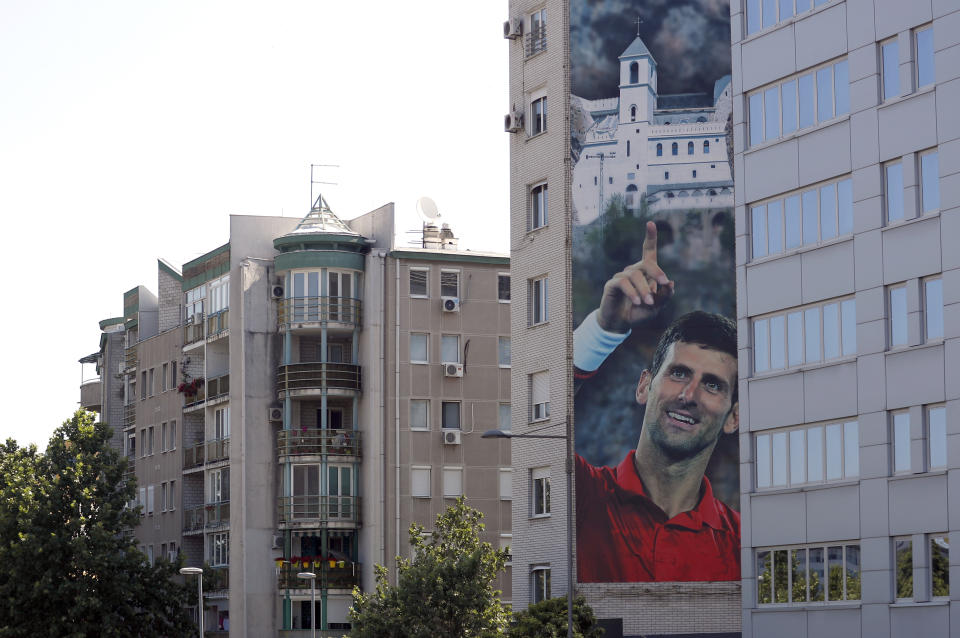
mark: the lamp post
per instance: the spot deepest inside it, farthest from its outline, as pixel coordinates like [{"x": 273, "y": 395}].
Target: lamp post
[
  {"x": 568, "y": 437},
  {"x": 312, "y": 577},
  {"x": 196, "y": 571}
]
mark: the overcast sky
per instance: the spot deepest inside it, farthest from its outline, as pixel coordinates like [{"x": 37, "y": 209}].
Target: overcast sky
[{"x": 131, "y": 130}]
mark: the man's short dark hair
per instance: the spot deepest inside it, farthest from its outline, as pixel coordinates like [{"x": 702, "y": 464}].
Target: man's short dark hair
[{"x": 704, "y": 329}]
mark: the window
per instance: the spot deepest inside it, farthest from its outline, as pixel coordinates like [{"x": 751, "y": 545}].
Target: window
[
  {"x": 903, "y": 574},
  {"x": 538, "y": 116},
  {"x": 503, "y": 352},
  {"x": 193, "y": 303},
  {"x": 540, "y": 396},
  {"x": 805, "y": 335},
  {"x": 418, "y": 282},
  {"x": 220, "y": 484},
  {"x": 503, "y": 287},
  {"x": 659, "y": 150},
  {"x": 929, "y": 182},
  {"x": 450, "y": 415},
  {"x": 173, "y": 495},
  {"x": 420, "y": 481},
  {"x": 143, "y": 385},
  {"x": 940, "y": 565},
  {"x": 219, "y": 294},
  {"x": 538, "y": 206},
  {"x": 221, "y": 423},
  {"x": 540, "y": 486},
  {"x": 537, "y": 300},
  {"x": 150, "y": 554},
  {"x": 450, "y": 348},
  {"x": 163, "y": 497},
  {"x": 163, "y": 378},
  {"x": 893, "y": 187},
  {"x": 219, "y": 549},
  {"x": 706, "y": 147},
  {"x": 801, "y": 218},
  {"x": 897, "y": 299},
  {"x": 506, "y": 484},
  {"x": 890, "y": 68},
  {"x": 173, "y": 436},
  {"x": 901, "y": 442},
  {"x": 799, "y": 102},
  {"x": 163, "y": 437},
  {"x": 131, "y": 447},
  {"x": 674, "y": 149},
  {"x": 150, "y": 499},
  {"x": 419, "y": 414},
  {"x": 810, "y": 574},
  {"x": 689, "y": 148},
  {"x": 506, "y": 540},
  {"x": 536, "y": 40},
  {"x": 173, "y": 374},
  {"x": 810, "y": 454},
  {"x": 937, "y": 436},
  {"x": 450, "y": 283},
  {"x": 666, "y": 175},
  {"x": 933, "y": 308},
  {"x": 452, "y": 482},
  {"x": 503, "y": 417},
  {"x": 540, "y": 583},
  {"x": 924, "y": 56},
  {"x": 628, "y": 148},
  {"x": 633, "y": 109},
  {"x": 150, "y": 440},
  {"x": 143, "y": 442},
  {"x": 418, "y": 347},
  {"x": 694, "y": 174}
]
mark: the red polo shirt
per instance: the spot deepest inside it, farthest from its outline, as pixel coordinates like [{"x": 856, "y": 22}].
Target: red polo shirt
[{"x": 622, "y": 536}]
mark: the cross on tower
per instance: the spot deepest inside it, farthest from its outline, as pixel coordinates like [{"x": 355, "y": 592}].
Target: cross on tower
[{"x": 637, "y": 22}]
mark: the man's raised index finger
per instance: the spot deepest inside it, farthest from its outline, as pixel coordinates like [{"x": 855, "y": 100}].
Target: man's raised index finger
[{"x": 650, "y": 243}]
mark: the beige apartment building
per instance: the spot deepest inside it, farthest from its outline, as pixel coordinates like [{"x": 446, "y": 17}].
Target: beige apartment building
[{"x": 294, "y": 399}]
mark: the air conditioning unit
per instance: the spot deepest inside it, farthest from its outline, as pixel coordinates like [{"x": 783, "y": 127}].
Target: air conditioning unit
[
  {"x": 275, "y": 414},
  {"x": 277, "y": 542},
  {"x": 276, "y": 292},
  {"x": 122, "y": 367},
  {"x": 453, "y": 369},
  {"x": 451, "y": 437},
  {"x": 450, "y": 304},
  {"x": 513, "y": 28},
  {"x": 189, "y": 320},
  {"x": 513, "y": 122}
]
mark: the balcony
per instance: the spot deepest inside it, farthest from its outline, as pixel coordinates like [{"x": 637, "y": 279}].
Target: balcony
[
  {"x": 130, "y": 358},
  {"x": 209, "y": 452},
  {"x": 535, "y": 41},
  {"x": 341, "y": 575},
  {"x": 193, "y": 519},
  {"x": 301, "y": 312},
  {"x": 216, "y": 514},
  {"x": 90, "y": 395},
  {"x": 318, "y": 442},
  {"x": 193, "y": 329},
  {"x": 309, "y": 511},
  {"x": 218, "y": 387},
  {"x": 215, "y": 579},
  {"x": 302, "y": 379},
  {"x": 129, "y": 415},
  {"x": 218, "y": 323}
]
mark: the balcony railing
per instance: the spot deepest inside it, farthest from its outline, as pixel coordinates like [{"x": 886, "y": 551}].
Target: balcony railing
[
  {"x": 343, "y": 575},
  {"x": 193, "y": 329},
  {"x": 307, "y": 633},
  {"x": 217, "y": 514},
  {"x": 314, "y": 376},
  {"x": 317, "y": 309},
  {"x": 535, "y": 41},
  {"x": 316, "y": 442},
  {"x": 193, "y": 519},
  {"x": 129, "y": 415},
  {"x": 193, "y": 400},
  {"x": 218, "y": 322},
  {"x": 130, "y": 358},
  {"x": 90, "y": 395},
  {"x": 208, "y": 452},
  {"x": 218, "y": 387},
  {"x": 215, "y": 578},
  {"x": 325, "y": 509}
]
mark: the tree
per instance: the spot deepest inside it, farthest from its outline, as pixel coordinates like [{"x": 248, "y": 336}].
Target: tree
[
  {"x": 68, "y": 565},
  {"x": 548, "y": 619},
  {"x": 446, "y": 590}
]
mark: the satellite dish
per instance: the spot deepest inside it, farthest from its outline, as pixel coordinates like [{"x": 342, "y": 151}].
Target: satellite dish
[{"x": 427, "y": 209}]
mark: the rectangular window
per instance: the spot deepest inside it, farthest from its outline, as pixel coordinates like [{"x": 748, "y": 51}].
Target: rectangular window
[
  {"x": 163, "y": 497},
  {"x": 506, "y": 540},
  {"x": 450, "y": 348},
  {"x": 893, "y": 190},
  {"x": 540, "y": 487},
  {"x": 503, "y": 418},
  {"x": 163, "y": 437},
  {"x": 929, "y": 182},
  {"x": 150, "y": 439},
  {"x": 897, "y": 296},
  {"x": 503, "y": 352},
  {"x": 822, "y": 332},
  {"x": 924, "y": 56},
  {"x": 540, "y": 583},
  {"x": 537, "y": 300},
  {"x": 800, "y": 575},
  {"x": 419, "y": 414},
  {"x": 903, "y": 558},
  {"x": 802, "y": 218},
  {"x": 131, "y": 447},
  {"x": 173, "y": 436},
  {"x": 503, "y": 287},
  {"x": 937, "y": 436},
  {"x": 150, "y": 499},
  {"x": 451, "y": 415},
  {"x": 538, "y": 207},
  {"x": 420, "y": 481},
  {"x": 173, "y": 495},
  {"x": 801, "y": 456},
  {"x": 163, "y": 377},
  {"x": 901, "y": 442},
  {"x": 219, "y": 549},
  {"x": 890, "y": 68},
  {"x": 452, "y": 482},
  {"x": 418, "y": 282},
  {"x": 538, "y": 116},
  {"x": 418, "y": 347},
  {"x": 940, "y": 565},
  {"x": 506, "y": 484},
  {"x": 540, "y": 396},
  {"x": 150, "y": 555},
  {"x": 450, "y": 283},
  {"x": 173, "y": 374},
  {"x": 152, "y": 383},
  {"x": 536, "y": 40},
  {"x": 933, "y": 308},
  {"x": 143, "y": 385},
  {"x": 143, "y": 442}
]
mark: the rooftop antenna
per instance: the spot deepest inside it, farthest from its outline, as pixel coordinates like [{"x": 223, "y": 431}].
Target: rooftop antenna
[{"x": 316, "y": 201}]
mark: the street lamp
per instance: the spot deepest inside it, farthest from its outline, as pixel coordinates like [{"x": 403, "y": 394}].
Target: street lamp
[
  {"x": 196, "y": 571},
  {"x": 568, "y": 437},
  {"x": 313, "y": 599}
]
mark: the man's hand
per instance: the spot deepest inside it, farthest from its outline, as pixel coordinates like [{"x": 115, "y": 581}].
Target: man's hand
[{"x": 638, "y": 292}]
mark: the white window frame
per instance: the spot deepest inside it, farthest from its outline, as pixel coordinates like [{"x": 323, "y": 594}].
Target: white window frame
[
  {"x": 173, "y": 435},
  {"x": 540, "y": 396},
  {"x": 538, "y": 301},
  {"x": 540, "y": 486},
  {"x": 798, "y": 456},
  {"x": 538, "y": 198},
  {"x": 150, "y": 493},
  {"x": 423, "y": 471},
  {"x": 540, "y": 584},
  {"x": 796, "y": 327},
  {"x": 425, "y": 427},
  {"x": 452, "y": 483},
  {"x": 426, "y": 341},
  {"x": 448, "y": 272},
  {"x": 538, "y": 114},
  {"x": 447, "y": 343},
  {"x": 426, "y": 282},
  {"x": 501, "y": 340},
  {"x": 506, "y": 483},
  {"x": 500, "y": 289}
]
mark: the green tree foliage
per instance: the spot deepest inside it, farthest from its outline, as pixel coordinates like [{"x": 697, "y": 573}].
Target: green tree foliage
[
  {"x": 68, "y": 566},
  {"x": 446, "y": 590},
  {"x": 548, "y": 619}
]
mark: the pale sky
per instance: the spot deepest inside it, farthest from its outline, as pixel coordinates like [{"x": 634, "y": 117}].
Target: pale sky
[{"x": 131, "y": 130}]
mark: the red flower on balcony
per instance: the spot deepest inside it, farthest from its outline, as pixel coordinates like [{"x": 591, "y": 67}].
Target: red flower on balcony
[{"x": 190, "y": 388}]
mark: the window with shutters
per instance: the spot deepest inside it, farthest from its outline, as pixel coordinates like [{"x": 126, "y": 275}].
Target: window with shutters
[
  {"x": 452, "y": 482},
  {"x": 540, "y": 396},
  {"x": 420, "y": 481}
]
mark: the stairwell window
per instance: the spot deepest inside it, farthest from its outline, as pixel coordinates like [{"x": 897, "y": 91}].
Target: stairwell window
[
  {"x": 538, "y": 206},
  {"x": 537, "y": 301},
  {"x": 540, "y": 396},
  {"x": 538, "y": 116},
  {"x": 540, "y": 583},
  {"x": 540, "y": 491}
]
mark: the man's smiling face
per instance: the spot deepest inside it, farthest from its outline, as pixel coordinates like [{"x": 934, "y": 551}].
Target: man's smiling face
[{"x": 690, "y": 400}]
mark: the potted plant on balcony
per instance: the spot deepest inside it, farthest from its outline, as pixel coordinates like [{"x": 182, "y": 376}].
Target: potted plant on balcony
[{"x": 191, "y": 387}]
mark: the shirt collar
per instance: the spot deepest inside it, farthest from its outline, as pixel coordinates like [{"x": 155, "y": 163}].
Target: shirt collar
[{"x": 707, "y": 511}]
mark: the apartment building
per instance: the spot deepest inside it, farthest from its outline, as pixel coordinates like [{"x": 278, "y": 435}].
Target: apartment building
[
  {"x": 845, "y": 142},
  {"x": 295, "y": 398}
]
